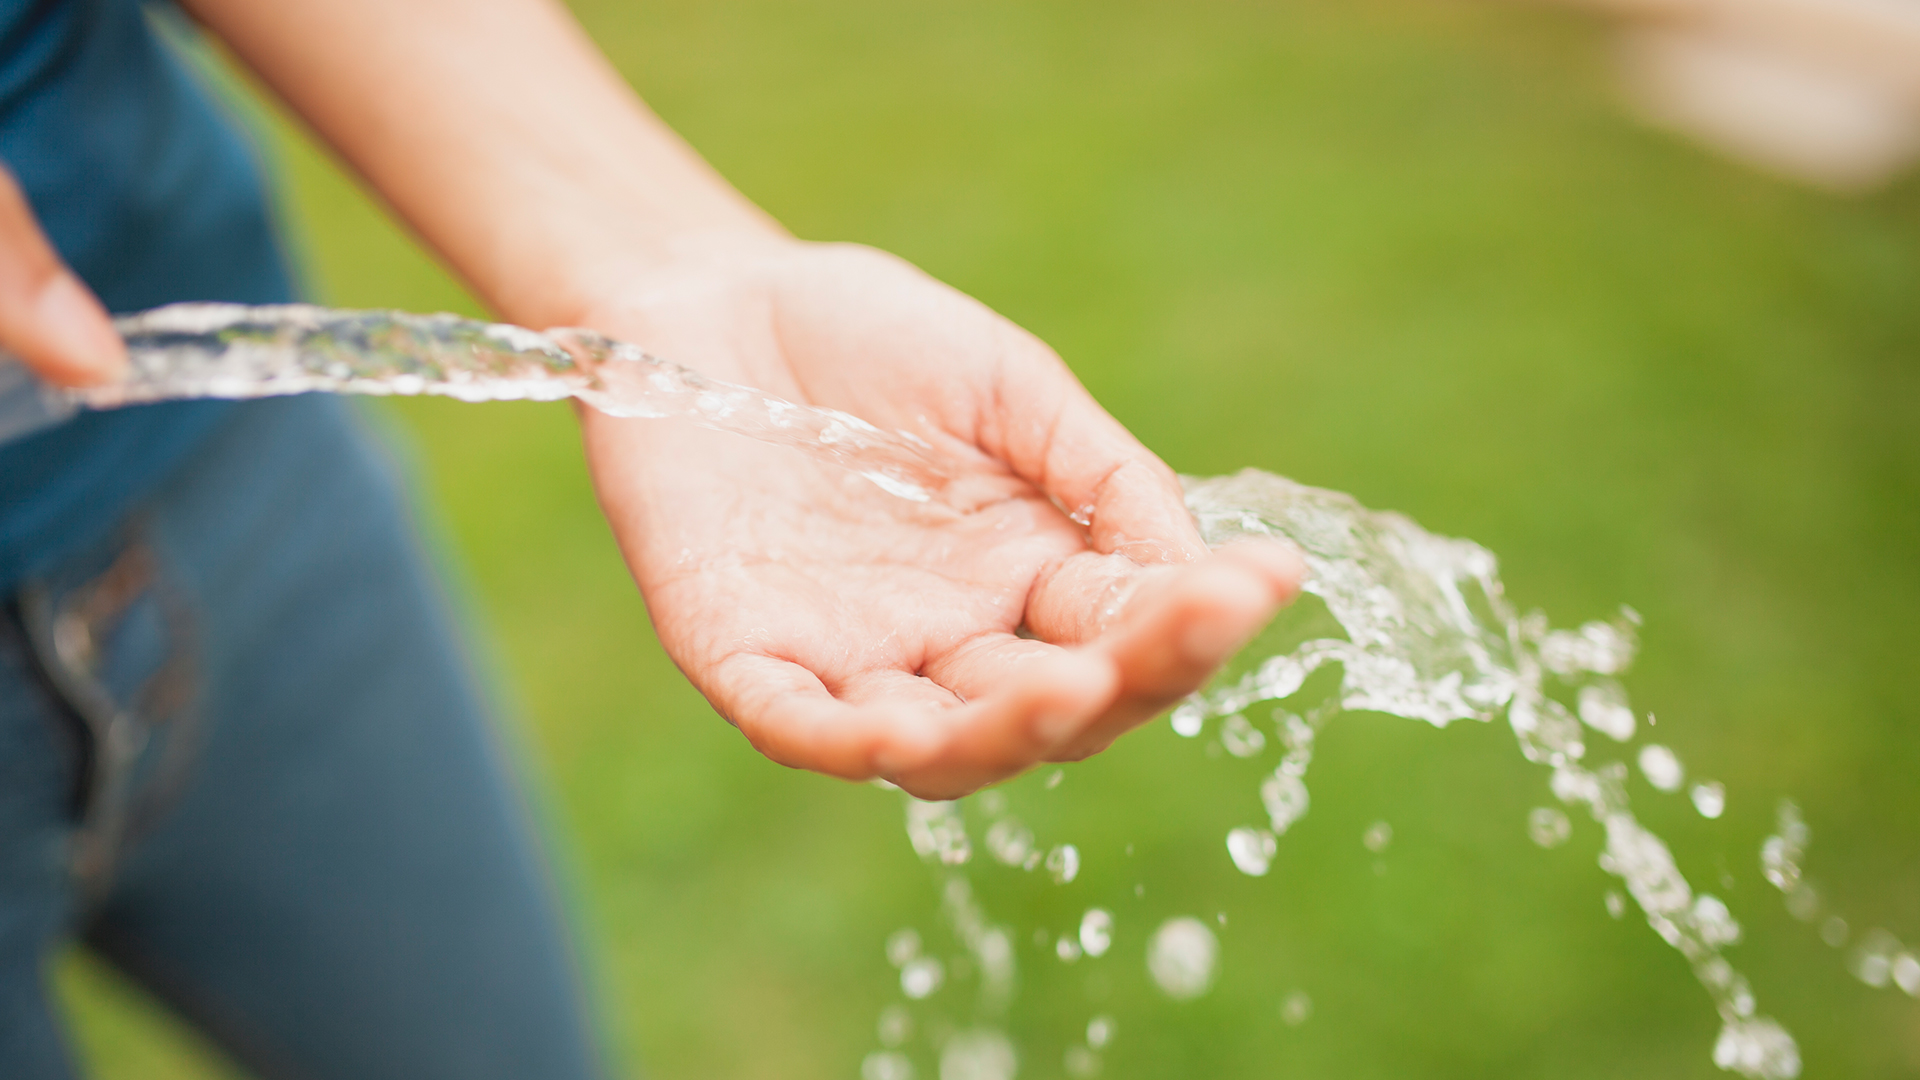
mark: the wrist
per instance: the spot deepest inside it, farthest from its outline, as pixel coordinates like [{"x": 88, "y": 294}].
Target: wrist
[{"x": 609, "y": 273}]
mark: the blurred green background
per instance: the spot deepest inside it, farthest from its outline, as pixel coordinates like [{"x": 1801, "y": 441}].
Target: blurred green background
[{"x": 1406, "y": 248}]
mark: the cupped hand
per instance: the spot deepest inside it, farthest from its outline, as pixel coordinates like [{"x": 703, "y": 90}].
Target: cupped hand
[
  {"x": 48, "y": 319},
  {"x": 942, "y": 645}
]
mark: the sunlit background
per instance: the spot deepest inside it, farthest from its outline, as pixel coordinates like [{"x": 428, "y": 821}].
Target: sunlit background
[{"x": 1419, "y": 250}]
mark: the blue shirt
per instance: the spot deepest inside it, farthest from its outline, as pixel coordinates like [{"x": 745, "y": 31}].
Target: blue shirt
[{"x": 152, "y": 196}]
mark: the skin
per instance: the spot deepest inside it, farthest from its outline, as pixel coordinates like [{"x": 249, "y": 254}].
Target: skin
[{"x": 941, "y": 646}]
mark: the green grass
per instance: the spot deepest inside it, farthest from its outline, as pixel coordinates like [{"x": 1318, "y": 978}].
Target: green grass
[{"x": 1407, "y": 249}]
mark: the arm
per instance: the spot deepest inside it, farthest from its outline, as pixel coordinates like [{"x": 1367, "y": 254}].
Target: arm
[
  {"x": 837, "y": 628},
  {"x": 497, "y": 131}
]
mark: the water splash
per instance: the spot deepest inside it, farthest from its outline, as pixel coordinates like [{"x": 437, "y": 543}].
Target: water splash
[
  {"x": 1425, "y": 632},
  {"x": 1878, "y": 959},
  {"x": 237, "y": 351},
  {"x": 1431, "y": 636}
]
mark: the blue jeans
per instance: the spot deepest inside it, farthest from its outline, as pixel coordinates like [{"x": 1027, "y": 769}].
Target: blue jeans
[{"x": 242, "y": 759}]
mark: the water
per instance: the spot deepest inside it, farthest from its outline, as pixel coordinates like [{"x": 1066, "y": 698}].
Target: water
[
  {"x": 234, "y": 351},
  {"x": 1424, "y": 632},
  {"x": 1878, "y": 958},
  {"x": 1181, "y": 957}
]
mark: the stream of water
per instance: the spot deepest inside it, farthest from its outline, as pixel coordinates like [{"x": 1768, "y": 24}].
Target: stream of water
[
  {"x": 236, "y": 351},
  {"x": 1417, "y": 625}
]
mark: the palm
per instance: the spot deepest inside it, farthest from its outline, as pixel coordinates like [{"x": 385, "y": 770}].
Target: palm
[{"x": 851, "y": 632}]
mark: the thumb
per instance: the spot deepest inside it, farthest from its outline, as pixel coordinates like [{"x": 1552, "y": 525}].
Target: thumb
[{"x": 47, "y": 317}]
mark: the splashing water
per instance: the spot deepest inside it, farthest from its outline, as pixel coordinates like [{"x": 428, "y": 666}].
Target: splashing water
[
  {"x": 1878, "y": 959},
  {"x": 1429, "y": 635},
  {"x": 236, "y": 351}
]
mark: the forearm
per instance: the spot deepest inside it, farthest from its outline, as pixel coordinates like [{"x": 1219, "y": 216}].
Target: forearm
[{"x": 499, "y": 132}]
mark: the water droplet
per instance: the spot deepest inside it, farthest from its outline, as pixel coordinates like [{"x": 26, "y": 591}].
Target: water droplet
[
  {"x": 1872, "y": 961},
  {"x": 1616, "y": 904},
  {"x": 1661, "y": 768},
  {"x": 1834, "y": 931},
  {"x": 1188, "y": 719},
  {"x": 1295, "y": 1008},
  {"x": 1757, "y": 1048},
  {"x": 902, "y": 946},
  {"x": 1285, "y": 796},
  {"x": 978, "y": 1055},
  {"x": 993, "y": 802},
  {"x": 1010, "y": 842},
  {"x": 1604, "y": 708},
  {"x": 921, "y": 977},
  {"x": 1596, "y": 648},
  {"x": 1181, "y": 957},
  {"x": 1063, "y": 863},
  {"x": 1710, "y": 798},
  {"x": 1252, "y": 850},
  {"x": 1906, "y": 974},
  {"x": 1713, "y": 922},
  {"x": 1548, "y": 827},
  {"x": 1082, "y": 1062},
  {"x": 1054, "y": 778},
  {"x": 1067, "y": 949},
  {"x": 886, "y": 1065},
  {"x": 896, "y": 1025},
  {"x": 1139, "y": 890},
  {"x": 1295, "y": 733},
  {"x": 1778, "y": 864},
  {"x": 1096, "y": 932},
  {"x": 1377, "y": 837},
  {"x": 1241, "y": 738},
  {"x": 938, "y": 832},
  {"x": 1100, "y": 1032},
  {"x": 1780, "y": 853}
]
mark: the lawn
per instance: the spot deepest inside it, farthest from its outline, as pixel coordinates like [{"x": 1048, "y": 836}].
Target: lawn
[{"x": 1410, "y": 249}]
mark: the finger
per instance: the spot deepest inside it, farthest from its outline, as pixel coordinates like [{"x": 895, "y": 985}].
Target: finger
[
  {"x": 1046, "y": 702},
  {"x": 1054, "y": 434},
  {"x": 47, "y": 317},
  {"x": 786, "y": 712},
  {"x": 892, "y": 686},
  {"x": 1081, "y": 596},
  {"x": 1182, "y": 625},
  {"x": 986, "y": 663},
  {"x": 898, "y": 731},
  {"x": 991, "y": 663}
]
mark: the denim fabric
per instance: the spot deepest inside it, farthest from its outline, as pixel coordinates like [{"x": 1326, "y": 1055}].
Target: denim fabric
[
  {"x": 152, "y": 195},
  {"x": 241, "y": 758}
]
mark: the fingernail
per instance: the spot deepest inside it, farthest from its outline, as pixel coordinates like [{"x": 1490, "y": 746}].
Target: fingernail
[{"x": 75, "y": 324}]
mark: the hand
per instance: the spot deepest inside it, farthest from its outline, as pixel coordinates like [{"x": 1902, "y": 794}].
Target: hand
[
  {"x": 851, "y": 632},
  {"x": 47, "y": 317}
]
